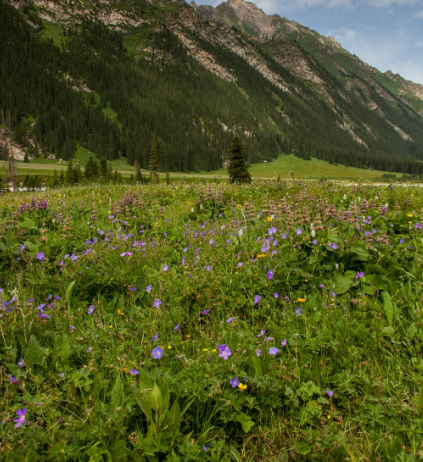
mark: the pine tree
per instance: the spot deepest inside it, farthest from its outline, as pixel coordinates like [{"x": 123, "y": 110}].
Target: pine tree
[
  {"x": 26, "y": 158},
  {"x": 69, "y": 173},
  {"x": 238, "y": 169},
  {"x": 138, "y": 174},
  {"x": 154, "y": 160}
]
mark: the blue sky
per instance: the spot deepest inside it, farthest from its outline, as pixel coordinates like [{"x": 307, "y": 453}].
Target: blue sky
[{"x": 387, "y": 34}]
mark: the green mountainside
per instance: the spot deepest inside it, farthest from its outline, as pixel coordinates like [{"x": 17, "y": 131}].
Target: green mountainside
[{"x": 109, "y": 75}]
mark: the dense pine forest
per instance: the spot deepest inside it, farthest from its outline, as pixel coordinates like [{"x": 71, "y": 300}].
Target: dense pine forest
[{"x": 87, "y": 88}]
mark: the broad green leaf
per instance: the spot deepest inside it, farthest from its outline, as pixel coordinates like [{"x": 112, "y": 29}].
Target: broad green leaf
[
  {"x": 35, "y": 353},
  {"x": 377, "y": 281},
  {"x": 116, "y": 396},
  {"x": 360, "y": 252},
  {"x": 69, "y": 291},
  {"x": 156, "y": 397},
  {"x": 246, "y": 422},
  {"x": 144, "y": 403},
  {"x": 174, "y": 415},
  {"x": 146, "y": 382},
  {"x": 388, "y": 307},
  {"x": 342, "y": 284},
  {"x": 31, "y": 246},
  {"x": 166, "y": 399}
]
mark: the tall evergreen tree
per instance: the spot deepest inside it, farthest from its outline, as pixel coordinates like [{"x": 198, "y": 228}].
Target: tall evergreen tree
[
  {"x": 238, "y": 169},
  {"x": 154, "y": 160}
]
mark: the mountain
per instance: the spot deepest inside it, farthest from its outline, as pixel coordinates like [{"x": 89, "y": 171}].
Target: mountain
[
  {"x": 108, "y": 75},
  {"x": 248, "y": 18}
]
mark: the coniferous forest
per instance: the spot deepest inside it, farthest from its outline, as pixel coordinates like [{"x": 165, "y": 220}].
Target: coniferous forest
[{"x": 88, "y": 89}]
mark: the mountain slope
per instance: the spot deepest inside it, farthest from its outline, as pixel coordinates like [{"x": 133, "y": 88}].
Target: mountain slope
[
  {"x": 354, "y": 73},
  {"x": 109, "y": 75}
]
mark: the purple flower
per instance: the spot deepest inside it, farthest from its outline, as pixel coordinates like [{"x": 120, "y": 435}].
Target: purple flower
[
  {"x": 273, "y": 351},
  {"x": 234, "y": 382},
  {"x": 401, "y": 241},
  {"x": 230, "y": 320},
  {"x": 257, "y": 298},
  {"x": 258, "y": 352},
  {"x": 148, "y": 289},
  {"x": 21, "y": 362},
  {"x": 157, "y": 303},
  {"x": 224, "y": 351},
  {"x": 284, "y": 236},
  {"x": 299, "y": 231},
  {"x": 89, "y": 350},
  {"x": 132, "y": 289},
  {"x": 13, "y": 379},
  {"x": 269, "y": 275},
  {"x": 155, "y": 336},
  {"x": 284, "y": 342},
  {"x": 261, "y": 333},
  {"x": 42, "y": 315},
  {"x": 21, "y": 419},
  {"x": 134, "y": 372},
  {"x": 165, "y": 268},
  {"x": 329, "y": 393},
  {"x": 157, "y": 353},
  {"x": 298, "y": 311},
  {"x": 208, "y": 268},
  {"x": 359, "y": 275},
  {"x": 240, "y": 264},
  {"x": 72, "y": 328},
  {"x": 321, "y": 286},
  {"x": 91, "y": 309},
  {"x": 276, "y": 295},
  {"x": 62, "y": 374},
  {"x": 205, "y": 312},
  {"x": 315, "y": 242},
  {"x": 176, "y": 328},
  {"x": 41, "y": 257}
]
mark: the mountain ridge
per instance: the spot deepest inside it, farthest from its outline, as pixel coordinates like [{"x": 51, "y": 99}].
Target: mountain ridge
[{"x": 280, "y": 94}]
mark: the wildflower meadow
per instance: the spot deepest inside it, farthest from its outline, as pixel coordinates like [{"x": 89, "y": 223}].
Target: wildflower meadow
[{"x": 209, "y": 322}]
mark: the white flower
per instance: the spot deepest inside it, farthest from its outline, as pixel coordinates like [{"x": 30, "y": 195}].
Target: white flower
[
  {"x": 241, "y": 232},
  {"x": 313, "y": 233}
]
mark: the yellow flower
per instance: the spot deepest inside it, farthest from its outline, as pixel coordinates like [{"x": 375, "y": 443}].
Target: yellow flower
[
  {"x": 242, "y": 386},
  {"x": 205, "y": 349},
  {"x": 214, "y": 351},
  {"x": 169, "y": 347},
  {"x": 269, "y": 219},
  {"x": 409, "y": 215},
  {"x": 305, "y": 280},
  {"x": 238, "y": 205},
  {"x": 301, "y": 300},
  {"x": 110, "y": 327},
  {"x": 410, "y": 222}
]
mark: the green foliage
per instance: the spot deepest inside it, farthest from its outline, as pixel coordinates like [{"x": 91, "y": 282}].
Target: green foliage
[{"x": 237, "y": 169}]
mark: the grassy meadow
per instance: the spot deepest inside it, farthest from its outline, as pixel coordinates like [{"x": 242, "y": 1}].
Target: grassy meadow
[
  {"x": 282, "y": 166},
  {"x": 207, "y": 322}
]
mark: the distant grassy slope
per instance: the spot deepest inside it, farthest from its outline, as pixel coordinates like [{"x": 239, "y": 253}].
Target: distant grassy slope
[
  {"x": 314, "y": 168},
  {"x": 282, "y": 166}
]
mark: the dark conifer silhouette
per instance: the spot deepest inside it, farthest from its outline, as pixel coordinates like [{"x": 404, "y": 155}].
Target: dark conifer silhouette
[{"x": 238, "y": 169}]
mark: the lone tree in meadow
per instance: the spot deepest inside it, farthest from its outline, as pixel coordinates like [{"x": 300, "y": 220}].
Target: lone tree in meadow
[
  {"x": 238, "y": 169},
  {"x": 154, "y": 160}
]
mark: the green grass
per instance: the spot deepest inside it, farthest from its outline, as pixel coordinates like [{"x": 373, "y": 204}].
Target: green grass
[
  {"x": 312, "y": 169},
  {"x": 53, "y": 32},
  {"x": 283, "y": 165},
  {"x": 170, "y": 323}
]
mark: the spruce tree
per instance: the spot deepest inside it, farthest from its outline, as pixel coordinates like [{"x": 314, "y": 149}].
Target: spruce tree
[
  {"x": 154, "y": 160},
  {"x": 238, "y": 169}
]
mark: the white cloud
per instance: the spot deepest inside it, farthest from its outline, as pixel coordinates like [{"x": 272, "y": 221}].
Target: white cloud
[
  {"x": 419, "y": 44},
  {"x": 419, "y": 14}
]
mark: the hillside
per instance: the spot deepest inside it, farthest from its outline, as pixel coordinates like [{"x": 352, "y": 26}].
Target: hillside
[{"x": 109, "y": 75}]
